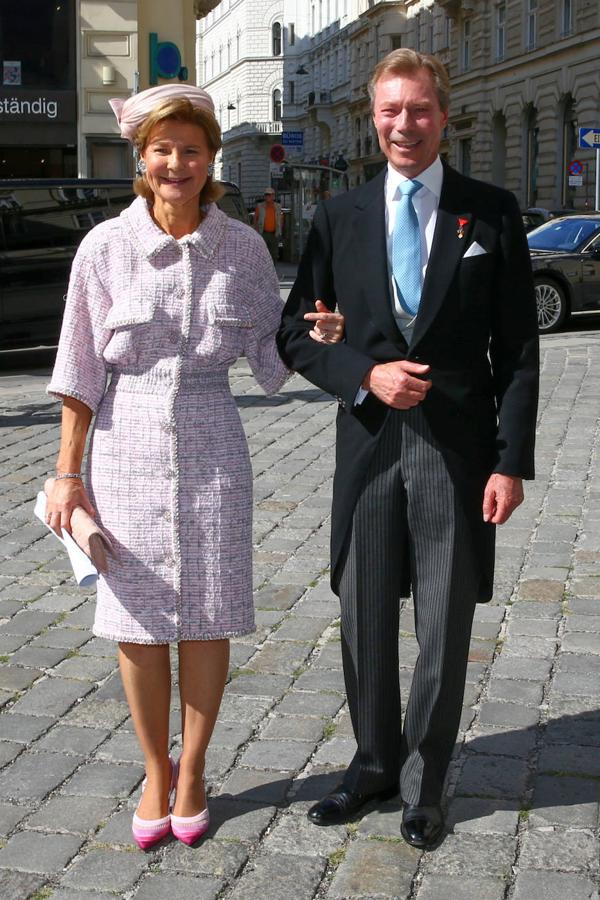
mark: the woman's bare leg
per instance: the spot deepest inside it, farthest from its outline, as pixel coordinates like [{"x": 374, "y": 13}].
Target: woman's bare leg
[
  {"x": 203, "y": 667},
  {"x": 146, "y": 674}
]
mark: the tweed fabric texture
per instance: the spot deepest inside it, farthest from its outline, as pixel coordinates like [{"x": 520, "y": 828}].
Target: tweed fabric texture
[{"x": 151, "y": 327}]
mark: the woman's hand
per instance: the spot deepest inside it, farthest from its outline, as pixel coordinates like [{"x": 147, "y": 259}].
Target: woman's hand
[
  {"x": 328, "y": 327},
  {"x": 62, "y": 498}
]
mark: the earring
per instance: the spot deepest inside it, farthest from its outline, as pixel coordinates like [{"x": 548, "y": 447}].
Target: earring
[
  {"x": 211, "y": 170},
  {"x": 141, "y": 167}
]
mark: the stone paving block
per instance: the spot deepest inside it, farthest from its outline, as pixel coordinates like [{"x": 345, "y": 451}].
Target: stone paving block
[
  {"x": 218, "y": 762},
  {"x": 11, "y": 642},
  {"x": 381, "y": 869},
  {"x": 321, "y": 680},
  {"x": 280, "y": 657},
  {"x": 70, "y": 739},
  {"x": 279, "y": 596},
  {"x": 462, "y": 887},
  {"x": 19, "y": 885},
  {"x": 493, "y": 776},
  {"x": 33, "y": 775},
  {"x": 256, "y": 786},
  {"x": 284, "y": 756},
  {"x": 304, "y": 703},
  {"x": 545, "y": 628},
  {"x": 28, "y": 623},
  {"x": 571, "y": 760},
  {"x": 581, "y": 642},
  {"x": 98, "y": 646},
  {"x": 117, "y": 830},
  {"x": 179, "y": 887},
  {"x": 562, "y": 800},
  {"x": 85, "y": 668},
  {"x": 15, "y": 678},
  {"x": 67, "y": 894},
  {"x": 259, "y": 685},
  {"x": 329, "y": 657},
  {"x": 79, "y": 815},
  {"x": 61, "y": 638},
  {"x": 105, "y": 870},
  {"x": 576, "y": 683},
  {"x": 53, "y": 696},
  {"x": 301, "y": 628},
  {"x": 97, "y": 713},
  {"x": 337, "y": 752},
  {"x": 582, "y": 729},
  {"x": 218, "y": 858},
  {"x": 244, "y": 710},
  {"x": 121, "y": 747},
  {"x": 551, "y": 885},
  {"x": 530, "y": 609},
  {"x": 240, "y": 654},
  {"x": 496, "y": 713},
  {"x": 239, "y": 820},
  {"x": 494, "y": 854},
  {"x": 295, "y": 835},
  {"x": 23, "y": 729},
  {"x": 31, "y": 851},
  {"x": 502, "y": 740},
  {"x": 97, "y": 779},
  {"x": 567, "y": 850},
  {"x": 527, "y": 693},
  {"x": 10, "y": 816},
  {"x": 578, "y": 623},
  {"x": 529, "y": 647},
  {"x": 480, "y": 816},
  {"x": 280, "y": 876},
  {"x": 231, "y": 734},
  {"x": 41, "y": 657},
  {"x": 293, "y": 728}
]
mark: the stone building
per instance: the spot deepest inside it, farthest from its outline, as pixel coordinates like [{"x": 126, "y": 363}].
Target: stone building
[{"x": 525, "y": 76}]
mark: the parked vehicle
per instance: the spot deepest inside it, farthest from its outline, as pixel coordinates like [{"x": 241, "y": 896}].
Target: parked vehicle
[
  {"x": 42, "y": 222},
  {"x": 565, "y": 256}
]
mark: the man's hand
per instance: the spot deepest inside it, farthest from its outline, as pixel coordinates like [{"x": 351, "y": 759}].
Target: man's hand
[
  {"x": 502, "y": 495},
  {"x": 397, "y": 383},
  {"x": 329, "y": 326}
]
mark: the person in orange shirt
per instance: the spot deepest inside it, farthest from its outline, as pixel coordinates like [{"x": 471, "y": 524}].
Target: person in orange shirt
[{"x": 267, "y": 221}]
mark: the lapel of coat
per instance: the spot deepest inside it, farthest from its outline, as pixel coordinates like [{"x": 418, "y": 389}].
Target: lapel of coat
[
  {"x": 447, "y": 248},
  {"x": 371, "y": 250}
]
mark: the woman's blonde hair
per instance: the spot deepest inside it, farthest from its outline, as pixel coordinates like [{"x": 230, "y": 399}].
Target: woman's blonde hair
[
  {"x": 180, "y": 110},
  {"x": 406, "y": 62}
]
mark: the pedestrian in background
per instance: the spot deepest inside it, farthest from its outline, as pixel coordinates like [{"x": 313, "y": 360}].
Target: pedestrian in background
[
  {"x": 268, "y": 221},
  {"x": 162, "y": 301}
]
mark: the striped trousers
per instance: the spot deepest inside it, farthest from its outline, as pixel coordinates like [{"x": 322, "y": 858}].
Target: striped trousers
[{"x": 408, "y": 514}]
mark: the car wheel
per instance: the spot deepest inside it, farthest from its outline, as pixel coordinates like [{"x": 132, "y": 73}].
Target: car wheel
[{"x": 551, "y": 305}]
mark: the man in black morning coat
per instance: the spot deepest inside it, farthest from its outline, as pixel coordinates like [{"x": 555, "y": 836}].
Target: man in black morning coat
[{"x": 437, "y": 385}]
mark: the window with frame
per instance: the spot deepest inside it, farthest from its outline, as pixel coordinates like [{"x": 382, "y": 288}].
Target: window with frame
[
  {"x": 531, "y": 24},
  {"x": 464, "y": 148},
  {"x": 567, "y": 17},
  {"x": 277, "y": 105},
  {"x": 501, "y": 31},
  {"x": 276, "y": 39},
  {"x": 466, "y": 45}
]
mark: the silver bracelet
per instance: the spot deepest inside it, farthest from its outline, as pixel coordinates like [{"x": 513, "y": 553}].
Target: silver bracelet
[{"x": 68, "y": 475}]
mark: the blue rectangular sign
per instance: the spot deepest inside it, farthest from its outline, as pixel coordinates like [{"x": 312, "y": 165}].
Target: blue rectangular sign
[
  {"x": 589, "y": 138},
  {"x": 292, "y": 138}
]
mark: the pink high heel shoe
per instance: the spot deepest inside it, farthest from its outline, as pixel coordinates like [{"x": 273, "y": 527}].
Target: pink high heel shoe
[
  {"x": 190, "y": 829},
  {"x": 147, "y": 832}
]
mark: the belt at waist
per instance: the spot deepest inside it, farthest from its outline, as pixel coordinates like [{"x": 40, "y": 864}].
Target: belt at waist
[{"x": 159, "y": 381}]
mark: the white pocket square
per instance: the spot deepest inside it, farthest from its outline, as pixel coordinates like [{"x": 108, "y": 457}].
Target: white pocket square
[{"x": 474, "y": 250}]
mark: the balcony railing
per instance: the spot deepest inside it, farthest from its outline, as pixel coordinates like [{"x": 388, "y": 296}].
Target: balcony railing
[{"x": 252, "y": 128}]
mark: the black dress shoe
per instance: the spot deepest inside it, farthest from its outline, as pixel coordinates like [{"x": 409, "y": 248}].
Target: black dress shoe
[
  {"x": 421, "y": 825},
  {"x": 341, "y": 805}
]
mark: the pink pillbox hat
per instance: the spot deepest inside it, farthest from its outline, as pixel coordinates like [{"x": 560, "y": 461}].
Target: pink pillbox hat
[{"x": 131, "y": 113}]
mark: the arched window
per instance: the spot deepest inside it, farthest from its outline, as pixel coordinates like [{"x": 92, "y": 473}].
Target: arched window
[
  {"x": 276, "y": 38},
  {"x": 277, "y": 105}
]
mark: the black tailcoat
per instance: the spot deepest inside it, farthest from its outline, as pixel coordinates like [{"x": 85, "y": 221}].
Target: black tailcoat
[{"x": 476, "y": 328}]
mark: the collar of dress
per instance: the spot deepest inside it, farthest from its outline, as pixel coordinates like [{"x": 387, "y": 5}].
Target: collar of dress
[{"x": 152, "y": 240}]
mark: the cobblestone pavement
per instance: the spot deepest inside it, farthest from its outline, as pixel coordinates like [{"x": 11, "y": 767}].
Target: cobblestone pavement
[{"x": 524, "y": 784}]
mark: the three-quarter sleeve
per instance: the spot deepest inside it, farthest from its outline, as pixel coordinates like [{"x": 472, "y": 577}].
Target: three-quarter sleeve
[
  {"x": 267, "y": 306},
  {"x": 80, "y": 370}
]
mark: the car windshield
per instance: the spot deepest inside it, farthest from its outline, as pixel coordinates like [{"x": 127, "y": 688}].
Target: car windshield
[{"x": 562, "y": 234}]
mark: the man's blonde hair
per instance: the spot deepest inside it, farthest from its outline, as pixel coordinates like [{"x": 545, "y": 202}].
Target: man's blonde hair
[
  {"x": 405, "y": 61},
  {"x": 180, "y": 109}
]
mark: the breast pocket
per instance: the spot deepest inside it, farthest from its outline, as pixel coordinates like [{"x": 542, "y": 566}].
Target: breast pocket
[
  {"x": 223, "y": 338},
  {"x": 129, "y": 318}
]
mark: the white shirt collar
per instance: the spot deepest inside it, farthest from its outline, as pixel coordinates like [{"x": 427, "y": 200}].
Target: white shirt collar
[{"x": 431, "y": 178}]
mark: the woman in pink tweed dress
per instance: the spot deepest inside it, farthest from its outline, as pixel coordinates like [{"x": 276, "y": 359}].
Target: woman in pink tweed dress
[{"x": 161, "y": 301}]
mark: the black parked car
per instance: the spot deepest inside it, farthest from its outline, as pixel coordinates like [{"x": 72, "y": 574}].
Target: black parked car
[
  {"x": 41, "y": 224},
  {"x": 565, "y": 255}
]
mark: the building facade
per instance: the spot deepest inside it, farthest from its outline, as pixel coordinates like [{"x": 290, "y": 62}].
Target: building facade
[{"x": 62, "y": 61}]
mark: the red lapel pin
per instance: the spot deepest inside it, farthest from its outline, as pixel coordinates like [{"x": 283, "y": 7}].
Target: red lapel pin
[{"x": 460, "y": 231}]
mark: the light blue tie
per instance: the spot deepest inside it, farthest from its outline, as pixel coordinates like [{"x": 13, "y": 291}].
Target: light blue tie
[{"x": 406, "y": 249}]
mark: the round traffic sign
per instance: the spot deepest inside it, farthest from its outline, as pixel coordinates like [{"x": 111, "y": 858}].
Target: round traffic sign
[
  {"x": 575, "y": 167},
  {"x": 277, "y": 153}
]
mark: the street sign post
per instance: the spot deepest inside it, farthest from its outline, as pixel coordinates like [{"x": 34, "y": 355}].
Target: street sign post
[{"x": 589, "y": 139}]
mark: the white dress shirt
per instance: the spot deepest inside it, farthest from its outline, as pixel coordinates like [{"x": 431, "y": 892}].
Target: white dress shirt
[{"x": 426, "y": 201}]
